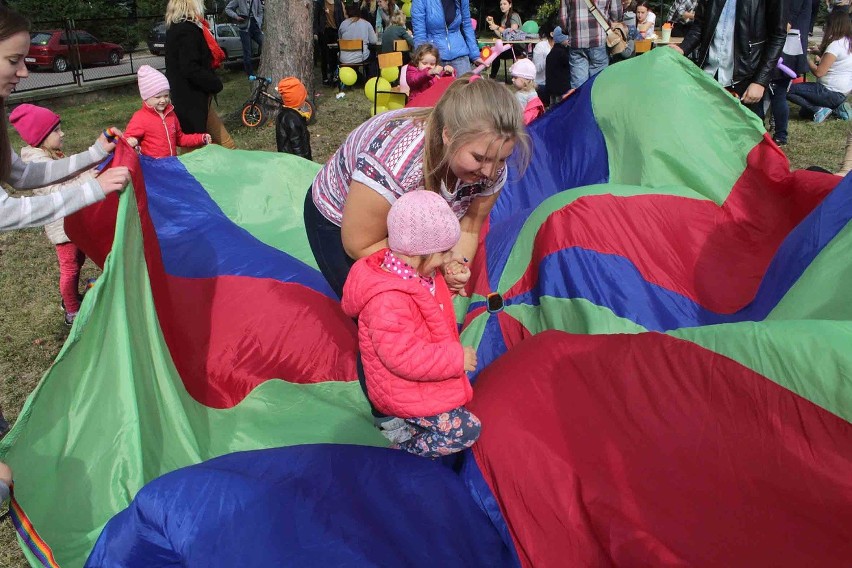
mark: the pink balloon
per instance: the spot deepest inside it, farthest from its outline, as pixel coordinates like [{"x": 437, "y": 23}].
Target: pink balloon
[{"x": 473, "y": 23}]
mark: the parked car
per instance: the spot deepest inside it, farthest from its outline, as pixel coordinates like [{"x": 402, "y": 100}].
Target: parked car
[
  {"x": 50, "y": 49},
  {"x": 227, "y": 36},
  {"x": 157, "y": 39}
]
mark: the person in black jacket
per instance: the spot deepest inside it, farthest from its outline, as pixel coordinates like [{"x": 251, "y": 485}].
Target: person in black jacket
[
  {"x": 557, "y": 67},
  {"x": 328, "y": 15},
  {"x": 291, "y": 131},
  {"x": 744, "y": 65},
  {"x": 189, "y": 69}
]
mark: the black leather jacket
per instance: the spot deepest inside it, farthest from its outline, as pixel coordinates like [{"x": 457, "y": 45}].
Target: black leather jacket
[
  {"x": 291, "y": 133},
  {"x": 759, "y": 34}
]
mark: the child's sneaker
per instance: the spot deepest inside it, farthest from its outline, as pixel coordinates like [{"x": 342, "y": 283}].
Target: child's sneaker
[
  {"x": 393, "y": 428},
  {"x": 69, "y": 318},
  {"x": 821, "y": 114},
  {"x": 842, "y": 112}
]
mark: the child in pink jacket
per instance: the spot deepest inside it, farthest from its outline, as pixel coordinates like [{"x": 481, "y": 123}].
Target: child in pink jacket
[{"x": 413, "y": 359}]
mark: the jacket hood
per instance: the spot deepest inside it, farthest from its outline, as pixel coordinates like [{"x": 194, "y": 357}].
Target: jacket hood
[
  {"x": 30, "y": 153},
  {"x": 367, "y": 279}
]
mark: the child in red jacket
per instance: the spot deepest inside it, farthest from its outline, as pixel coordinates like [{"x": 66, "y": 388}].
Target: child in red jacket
[
  {"x": 155, "y": 127},
  {"x": 424, "y": 70},
  {"x": 413, "y": 359}
]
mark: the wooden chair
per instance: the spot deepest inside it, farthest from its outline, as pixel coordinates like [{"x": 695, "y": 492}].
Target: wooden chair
[
  {"x": 400, "y": 45},
  {"x": 351, "y": 45},
  {"x": 387, "y": 61}
]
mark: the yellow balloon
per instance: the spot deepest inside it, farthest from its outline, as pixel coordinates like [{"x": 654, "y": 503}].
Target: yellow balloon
[
  {"x": 370, "y": 90},
  {"x": 348, "y": 76},
  {"x": 380, "y": 109},
  {"x": 390, "y": 73},
  {"x": 406, "y": 9},
  {"x": 395, "y": 105}
]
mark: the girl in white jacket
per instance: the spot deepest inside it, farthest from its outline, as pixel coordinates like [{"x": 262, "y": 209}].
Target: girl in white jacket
[{"x": 41, "y": 130}]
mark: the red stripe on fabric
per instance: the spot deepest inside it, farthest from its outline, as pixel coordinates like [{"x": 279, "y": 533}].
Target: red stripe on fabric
[
  {"x": 715, "y": 256},
  {"x": 645, "y": 450},
  {"x": 229, "y": 334},
  {"x": 232, "y": 333},
  {"x": 513, "y": 331}
]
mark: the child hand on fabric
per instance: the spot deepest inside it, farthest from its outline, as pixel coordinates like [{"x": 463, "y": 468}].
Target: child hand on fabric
[
  {"x": 469, "y": 358},
  {"x": 5, "y": 481},
  {"x": 208, "y": 139},
  {"x": 132, "y": 142}
]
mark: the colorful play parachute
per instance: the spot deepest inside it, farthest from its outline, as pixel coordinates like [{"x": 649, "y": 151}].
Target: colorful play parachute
[{"x": 668, "y": 383}]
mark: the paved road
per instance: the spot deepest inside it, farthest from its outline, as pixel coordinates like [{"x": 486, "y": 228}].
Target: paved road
[{"x": 128, "y": 66}]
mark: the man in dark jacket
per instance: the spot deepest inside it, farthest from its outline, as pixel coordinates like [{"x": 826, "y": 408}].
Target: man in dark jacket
[
  {"x": 291, "y": 131},
  {"x": 738, "y": 42},
  {"x": 557, "y": 67}
]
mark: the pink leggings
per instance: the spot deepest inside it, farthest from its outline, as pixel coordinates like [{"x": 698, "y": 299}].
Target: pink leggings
[{"x": 71, "y": 260}]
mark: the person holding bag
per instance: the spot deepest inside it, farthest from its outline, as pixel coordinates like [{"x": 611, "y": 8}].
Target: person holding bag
[{"x": 589, "y": 36}]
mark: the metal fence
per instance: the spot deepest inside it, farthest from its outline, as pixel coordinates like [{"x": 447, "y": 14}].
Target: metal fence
[{"x": 72, "y": 52}]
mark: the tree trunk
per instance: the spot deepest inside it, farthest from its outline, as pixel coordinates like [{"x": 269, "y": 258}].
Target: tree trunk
[{"x": 288, "y": 45}]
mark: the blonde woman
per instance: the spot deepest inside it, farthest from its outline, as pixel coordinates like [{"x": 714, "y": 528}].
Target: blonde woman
[
  {"x": 458, "y": 150},
  {"x": 190, "y": 65}
]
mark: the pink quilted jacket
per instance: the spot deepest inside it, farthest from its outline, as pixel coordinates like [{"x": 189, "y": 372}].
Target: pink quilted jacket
[{"x": 410, "y": 347}]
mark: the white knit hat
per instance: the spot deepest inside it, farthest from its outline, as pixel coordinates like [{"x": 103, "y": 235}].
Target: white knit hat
[
  {"x": 523, "y": 68},
  {"x": 422, "y": 222},
  {"x": 151, "y": 82}
]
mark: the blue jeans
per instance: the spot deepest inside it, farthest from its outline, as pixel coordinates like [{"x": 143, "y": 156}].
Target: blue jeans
[
  {"x": 586, "y": 62},
  {"x": 812, "y": 96},
  {"x": 777, "y": 93},
  {"x": 460, "y": 64},
  {"x": 252, "y": 32}
]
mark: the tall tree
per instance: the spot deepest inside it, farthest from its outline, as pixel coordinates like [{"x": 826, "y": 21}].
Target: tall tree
[{"x": 288, "y": 46}]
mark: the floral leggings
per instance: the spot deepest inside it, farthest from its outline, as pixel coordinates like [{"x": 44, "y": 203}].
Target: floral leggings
[{"x": 442, "y": 434}]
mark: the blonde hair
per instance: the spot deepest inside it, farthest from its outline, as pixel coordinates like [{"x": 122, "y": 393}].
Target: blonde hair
[
  {"x": 184, "y": 10},
  {"x": 397, "y": 18},
  {"x": 423, "y": 50},
  {"x": 468, "y": 110}
]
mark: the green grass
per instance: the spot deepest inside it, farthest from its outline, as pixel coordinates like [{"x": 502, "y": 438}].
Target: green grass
[{"x": 31, "y": 324}]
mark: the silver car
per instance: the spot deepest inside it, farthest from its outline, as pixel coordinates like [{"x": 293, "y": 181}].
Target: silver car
[{"x": 228, "y": 38}]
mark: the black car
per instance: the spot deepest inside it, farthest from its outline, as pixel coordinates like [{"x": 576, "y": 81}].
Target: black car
[{"x": 157, "y": 39}]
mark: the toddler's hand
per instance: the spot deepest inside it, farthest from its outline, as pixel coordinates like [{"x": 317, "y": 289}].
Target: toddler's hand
[
  {"x": 108, "y": 137},
  {"x": 208, "y": 139},
  {"x": 5, "y": 473},
  {"x": 114, "y": 179},
  {"x": 469, "y": 358},
  {"x": 133, "y": 142}
]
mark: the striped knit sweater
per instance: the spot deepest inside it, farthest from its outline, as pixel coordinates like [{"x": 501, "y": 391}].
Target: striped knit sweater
[{"x": 38, "y": 210}]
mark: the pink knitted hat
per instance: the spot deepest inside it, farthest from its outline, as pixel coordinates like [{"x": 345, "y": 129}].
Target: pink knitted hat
[
  {"x": 523, "y": 68},
  {"x": 151, "y": 82},
  {"x": 33, "y": 123},
  {"x": 422, "y": 222}
]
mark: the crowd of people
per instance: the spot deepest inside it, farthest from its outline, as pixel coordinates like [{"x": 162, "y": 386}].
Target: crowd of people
[{"x": 393, "y": 218}]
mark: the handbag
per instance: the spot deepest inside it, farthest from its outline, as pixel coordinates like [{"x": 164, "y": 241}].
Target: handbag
[{"x": 616, "y": 34}]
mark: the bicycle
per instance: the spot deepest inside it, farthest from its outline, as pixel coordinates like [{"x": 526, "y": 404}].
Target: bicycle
[{"x": 257, "y": 109}]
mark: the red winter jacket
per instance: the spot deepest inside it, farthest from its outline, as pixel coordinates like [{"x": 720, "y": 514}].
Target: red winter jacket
[
  {"x": 413, "y": 359},
  {"x": 533, "y": 110},
  {"x": 159, "y": 136}
]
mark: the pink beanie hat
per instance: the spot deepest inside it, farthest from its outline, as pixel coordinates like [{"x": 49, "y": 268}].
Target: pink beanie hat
[
  {"x": 523, "y": 68},
  {"x": 421, "y": 222},
  {"x": 151, "y": 82},
  {"x": 33, "y": 123}
]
